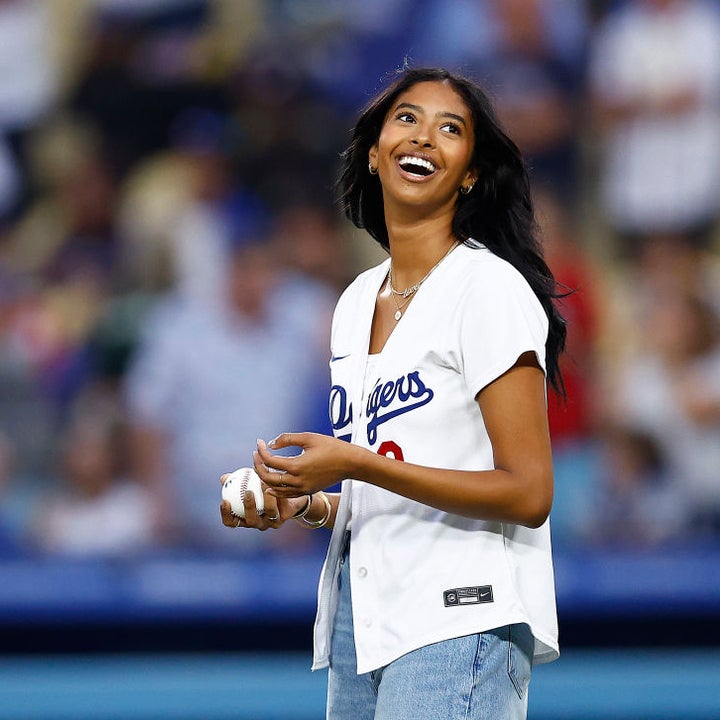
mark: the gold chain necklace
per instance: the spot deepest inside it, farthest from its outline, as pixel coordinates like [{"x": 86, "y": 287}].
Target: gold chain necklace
[
  {"x": 408, "y": 292},
  {"x": 398, "y": 306}
]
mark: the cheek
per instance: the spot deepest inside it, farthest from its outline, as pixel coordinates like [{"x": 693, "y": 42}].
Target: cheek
[
  {"x": 467, "y": 153},
  {"x": 390, "y": 137},
  {"x": 382, "y": 147},
  {"x": 459, "y": 161}
]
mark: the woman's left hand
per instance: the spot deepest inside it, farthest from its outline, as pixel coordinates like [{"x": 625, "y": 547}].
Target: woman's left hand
[{"x": 322, "y": 462}]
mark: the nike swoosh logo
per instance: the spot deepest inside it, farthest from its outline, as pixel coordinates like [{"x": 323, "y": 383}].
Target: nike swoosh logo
[{"x": 335, "y": 358}]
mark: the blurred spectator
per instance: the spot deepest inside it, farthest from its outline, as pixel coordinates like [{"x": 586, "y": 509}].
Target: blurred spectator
[
  {"x": 656, "y": 86},
  {"x": 28, "y": 87},
  {"x": 209, "y": 379},
  {"x": 152, "y": 202},
  {"x": 94, "y": 508},
  {"x": 146, "y": 63},
  {"x": 74, "y": 205},
  {"x": 222, "y": 205},
  {"x": 345, "y": 48},
  {"x": 309, "y": 239},
  {"x": 23, "y": 401},
  {"x": 667, "y": 265},
  {"x": 572, "y": 421},
  {"x": 66, "y": 248},
  {"x": 203, "y": 201},
  {"x": 530, "y": 54},
  {"x": 634, "y": 505},
  {"x": 670, "y": 391},
  {"x": 291, "y": 135}
]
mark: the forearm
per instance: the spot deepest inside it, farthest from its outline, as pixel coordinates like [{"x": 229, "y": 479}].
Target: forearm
[{"x": 504, "y": 495}]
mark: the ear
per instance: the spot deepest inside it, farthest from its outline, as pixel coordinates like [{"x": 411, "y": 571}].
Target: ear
[
  {"x": 373, "y": 155},
  {"x": 470, "y": 177}
]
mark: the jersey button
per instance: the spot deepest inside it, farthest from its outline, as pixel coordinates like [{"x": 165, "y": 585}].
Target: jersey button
[{"x": 362, "y": 572}]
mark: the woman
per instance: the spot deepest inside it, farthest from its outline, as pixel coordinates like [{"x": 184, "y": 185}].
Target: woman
[{"x": 439, "y": 360}]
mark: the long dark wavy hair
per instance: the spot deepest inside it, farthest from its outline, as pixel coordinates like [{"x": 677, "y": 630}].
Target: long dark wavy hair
[{"x": 497, "y": 212}]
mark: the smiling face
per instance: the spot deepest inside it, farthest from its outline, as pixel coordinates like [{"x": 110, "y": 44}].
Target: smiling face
[{"x": 425, "y": 147}]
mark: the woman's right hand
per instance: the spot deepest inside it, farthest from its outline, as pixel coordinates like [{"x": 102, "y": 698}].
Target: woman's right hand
[{"x": 277, "y": 511}]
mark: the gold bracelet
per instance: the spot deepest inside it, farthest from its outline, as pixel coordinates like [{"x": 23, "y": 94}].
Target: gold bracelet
[
  {"x": 323, "y": 521},
  {"x": 300, "y": 514}
]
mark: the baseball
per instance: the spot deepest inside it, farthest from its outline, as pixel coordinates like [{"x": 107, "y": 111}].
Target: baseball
[{"x": 237, "y": 484}]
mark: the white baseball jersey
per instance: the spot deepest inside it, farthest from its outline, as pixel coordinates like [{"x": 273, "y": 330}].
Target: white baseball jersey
[{"x": 420, "y": 575}]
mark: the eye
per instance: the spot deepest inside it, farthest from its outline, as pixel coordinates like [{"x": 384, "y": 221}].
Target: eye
[
  {"x": 451, "y": 127},
  {"x": 405, "y": 117}
]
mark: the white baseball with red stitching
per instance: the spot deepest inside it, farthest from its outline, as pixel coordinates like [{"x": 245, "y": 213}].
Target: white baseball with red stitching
[{"x": 237, "y": 484}]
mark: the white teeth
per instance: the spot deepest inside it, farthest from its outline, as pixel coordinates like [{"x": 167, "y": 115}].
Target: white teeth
[{"x": 417, "y": 162}]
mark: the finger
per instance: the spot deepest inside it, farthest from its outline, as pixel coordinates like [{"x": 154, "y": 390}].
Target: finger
[
  {"x": 224, "y": 477},
  {"x": 229, "y": 519},
  {"x": 265, "y": 519},
  {"x": 269, "y": 477},
  {"x": 274, "y": 478},
  {"x": 272, "y": 462},
  {"x": 284, "y": 440},
  {"x": 252, "y": 516},
  {"x": 225, "y": 508},
  {"x": 272, "y": 511}
]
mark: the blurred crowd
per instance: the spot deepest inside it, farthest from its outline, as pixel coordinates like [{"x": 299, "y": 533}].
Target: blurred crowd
[{"x": 170, "y": 254}]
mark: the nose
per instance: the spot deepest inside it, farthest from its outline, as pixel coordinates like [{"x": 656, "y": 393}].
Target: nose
[{"x": 422, "y": 137}]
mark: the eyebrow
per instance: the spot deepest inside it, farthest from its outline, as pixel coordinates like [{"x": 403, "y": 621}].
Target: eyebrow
[{"x": 417, "y": 108}]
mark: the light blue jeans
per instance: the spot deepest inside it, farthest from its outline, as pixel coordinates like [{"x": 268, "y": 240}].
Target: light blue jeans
[{"x": 477, "y": 677}]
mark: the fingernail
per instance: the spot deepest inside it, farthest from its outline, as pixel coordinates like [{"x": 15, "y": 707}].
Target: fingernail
[
  {"x": 272, "y": 443},
  {"x": 260, "y": 442}
]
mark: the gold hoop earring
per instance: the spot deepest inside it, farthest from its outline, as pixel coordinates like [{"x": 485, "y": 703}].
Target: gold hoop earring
[{"x": 373, "y": 170}]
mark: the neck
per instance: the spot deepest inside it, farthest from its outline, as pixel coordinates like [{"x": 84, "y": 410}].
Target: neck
[{"x": 415, "y": 248}]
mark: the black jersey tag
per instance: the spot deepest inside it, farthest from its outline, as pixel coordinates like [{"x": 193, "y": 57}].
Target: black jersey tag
[{"x": 468, "y": 595}]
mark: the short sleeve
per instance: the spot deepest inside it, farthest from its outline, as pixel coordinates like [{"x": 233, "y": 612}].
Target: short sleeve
[{"x": 499, "y": 318}]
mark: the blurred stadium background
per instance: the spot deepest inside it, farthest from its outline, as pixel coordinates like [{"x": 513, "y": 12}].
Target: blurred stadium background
[{"x": 170, "y": 256}]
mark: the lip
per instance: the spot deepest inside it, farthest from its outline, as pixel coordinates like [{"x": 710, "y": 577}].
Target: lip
[{"x": 412, "y": 177}]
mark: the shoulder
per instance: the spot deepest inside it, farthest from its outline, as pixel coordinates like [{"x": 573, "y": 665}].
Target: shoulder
[
  {"x": 479, "y": 270},
  {"x": 484, "y": 286}
]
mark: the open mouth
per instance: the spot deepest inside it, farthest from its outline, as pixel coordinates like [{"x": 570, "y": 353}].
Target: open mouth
[{"x": 416, "y": 166}]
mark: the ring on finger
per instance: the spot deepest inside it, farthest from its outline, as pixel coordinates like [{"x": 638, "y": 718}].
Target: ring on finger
[{"x": 273, "y": 518}]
